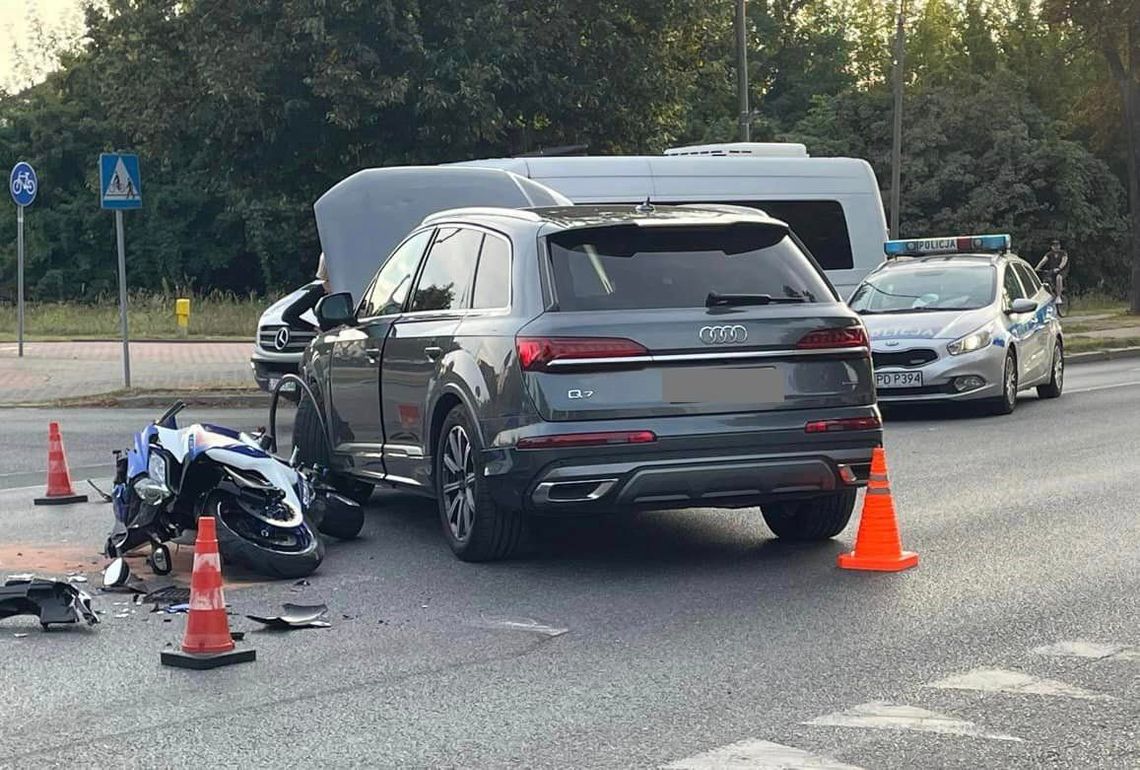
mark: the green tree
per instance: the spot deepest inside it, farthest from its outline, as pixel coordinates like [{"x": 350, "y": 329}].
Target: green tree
[
  {"x": 1113, "y": 27},
  {"x": 980, "y": 156}
]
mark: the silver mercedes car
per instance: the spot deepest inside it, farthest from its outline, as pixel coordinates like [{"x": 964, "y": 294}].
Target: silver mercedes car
[{"x": 960, "y": 319}]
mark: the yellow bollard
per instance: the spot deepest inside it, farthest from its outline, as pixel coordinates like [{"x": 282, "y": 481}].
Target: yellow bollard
[{"x": 182, "y": 313}]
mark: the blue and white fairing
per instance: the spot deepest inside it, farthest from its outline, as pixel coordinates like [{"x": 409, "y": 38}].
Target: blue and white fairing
[{"x": 224, "y": 446}]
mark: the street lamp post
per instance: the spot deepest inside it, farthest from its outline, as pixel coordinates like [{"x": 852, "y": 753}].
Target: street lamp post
[
  {"x": 742, "y": 71},
  {"x": 896, "y": 144}
]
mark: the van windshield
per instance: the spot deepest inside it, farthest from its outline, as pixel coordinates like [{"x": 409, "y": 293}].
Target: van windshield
[{"x": 637, "y": 268}]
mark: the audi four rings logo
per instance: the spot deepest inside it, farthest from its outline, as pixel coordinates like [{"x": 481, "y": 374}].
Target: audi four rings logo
[
  {"x": 719, "y": 335},
  {"x": 282, "y": 339}
]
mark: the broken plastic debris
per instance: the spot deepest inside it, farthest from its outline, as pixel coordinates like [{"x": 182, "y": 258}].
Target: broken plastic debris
[
  {"x": 296, "y": 616},
  {"x": 174, "y": 609},
  {"x": 53, "y": 601},
  {"x": 106, "y": 497},
  {"x": 76, "y": 579},
  {"x": 166, "y": 596},
  {"x": 117, "y": 574}
]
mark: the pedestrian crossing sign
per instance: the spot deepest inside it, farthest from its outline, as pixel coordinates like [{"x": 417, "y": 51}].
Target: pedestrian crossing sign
[{"x": 120, "y": 186}]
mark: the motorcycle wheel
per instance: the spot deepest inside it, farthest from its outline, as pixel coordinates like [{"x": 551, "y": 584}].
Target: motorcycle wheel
[{"x": 256, "y": 556}]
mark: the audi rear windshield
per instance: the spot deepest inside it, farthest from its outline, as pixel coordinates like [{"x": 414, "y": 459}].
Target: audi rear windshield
[{"x": 631, "y": 267}]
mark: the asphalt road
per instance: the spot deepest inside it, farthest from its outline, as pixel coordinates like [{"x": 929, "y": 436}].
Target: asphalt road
[{"x": 689, "y": 637}]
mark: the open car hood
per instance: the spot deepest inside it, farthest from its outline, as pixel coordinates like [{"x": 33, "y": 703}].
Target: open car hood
[{"x": 364, "y": 217}]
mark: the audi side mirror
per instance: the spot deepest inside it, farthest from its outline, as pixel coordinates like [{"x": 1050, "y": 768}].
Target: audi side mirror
[
  {"x": 1021, "y": 306},
  {"x": 335, "y": 310}
]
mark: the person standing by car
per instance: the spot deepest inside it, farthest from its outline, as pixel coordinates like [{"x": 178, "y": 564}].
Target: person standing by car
[
  {"x": 1056, "y": 264},
  {"x": 312, "y": 296}
]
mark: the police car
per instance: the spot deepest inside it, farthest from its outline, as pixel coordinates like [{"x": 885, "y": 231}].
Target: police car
[{"x": 960, "y": 319}]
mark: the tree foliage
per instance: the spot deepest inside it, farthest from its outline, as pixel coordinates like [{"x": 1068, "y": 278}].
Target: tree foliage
[{"x": 245, "y": 113}]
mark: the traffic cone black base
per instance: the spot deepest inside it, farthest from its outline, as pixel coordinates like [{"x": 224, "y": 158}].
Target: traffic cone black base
[
  {"x": 64, "y": 500},
  {"x": 179, "y": 659}
]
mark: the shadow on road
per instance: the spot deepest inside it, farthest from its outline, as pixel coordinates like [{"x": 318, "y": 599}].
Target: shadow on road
[{"x": 634, "y": 542}]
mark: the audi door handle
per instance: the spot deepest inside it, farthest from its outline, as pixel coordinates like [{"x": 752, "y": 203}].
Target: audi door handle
[
  {"x": 433, "y": 353},
  {"x": 373, "y": 354}
]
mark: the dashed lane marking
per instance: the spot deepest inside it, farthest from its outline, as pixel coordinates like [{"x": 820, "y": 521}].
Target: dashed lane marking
[
  {"x": 888, "y": 716},
  {"x": 758, "y": 755},
  {"x": 1001, "y": 680},
  {"x": 1113, "y": 386},
  {"x": 1090, "y": 650}
]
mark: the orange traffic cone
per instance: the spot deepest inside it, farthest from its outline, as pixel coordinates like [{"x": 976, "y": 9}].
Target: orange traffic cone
[
  {"x": 878, "y": 545},
  {"x": 207, "y": 643},
  {"x": 59, "y": 491}
]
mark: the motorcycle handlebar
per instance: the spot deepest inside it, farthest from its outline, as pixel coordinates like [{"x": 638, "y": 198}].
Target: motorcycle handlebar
[{"x": 170, "y": 414}]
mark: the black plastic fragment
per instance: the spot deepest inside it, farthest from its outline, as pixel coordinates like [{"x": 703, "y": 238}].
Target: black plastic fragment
[
  {"x": 296, "y": 616},
  {"x": 52, "y": 601}
]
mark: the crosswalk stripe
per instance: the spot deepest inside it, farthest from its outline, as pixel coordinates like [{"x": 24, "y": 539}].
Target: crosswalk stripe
[
  {"x": 1001, "y": 680},
  {"x": 758, "y": 755},
  {"x": 888, "y": 716},
  {"x": 1091, "y": 650}
]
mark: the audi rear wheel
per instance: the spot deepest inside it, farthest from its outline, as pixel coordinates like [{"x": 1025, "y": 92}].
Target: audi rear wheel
[{"x": 474, "y": 525}]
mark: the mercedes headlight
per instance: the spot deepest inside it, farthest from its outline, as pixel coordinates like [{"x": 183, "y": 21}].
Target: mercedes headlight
[{"x": 971, "y": 342}]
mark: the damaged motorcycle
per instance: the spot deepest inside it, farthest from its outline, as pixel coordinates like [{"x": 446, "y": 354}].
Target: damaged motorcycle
[{"x": 268, "y": 510}]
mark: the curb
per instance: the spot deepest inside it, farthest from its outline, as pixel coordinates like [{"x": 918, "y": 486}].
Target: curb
[{"x": 1108, "y": 354}]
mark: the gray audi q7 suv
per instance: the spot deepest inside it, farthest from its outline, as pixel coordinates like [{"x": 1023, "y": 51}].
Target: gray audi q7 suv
[{"x": 592, "y": 359}]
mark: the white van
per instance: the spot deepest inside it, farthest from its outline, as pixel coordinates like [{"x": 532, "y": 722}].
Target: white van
[{"x": 832, "y": 204}]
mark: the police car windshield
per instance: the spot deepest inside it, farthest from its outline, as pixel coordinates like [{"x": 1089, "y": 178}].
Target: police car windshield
[{"x": 926, "y": 289}]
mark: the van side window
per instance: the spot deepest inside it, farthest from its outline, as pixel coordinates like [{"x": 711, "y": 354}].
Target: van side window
[{"x": 820, "y": 225}]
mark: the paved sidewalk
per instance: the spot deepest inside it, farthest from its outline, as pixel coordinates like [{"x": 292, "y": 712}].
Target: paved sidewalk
[{"x": 59, "y": 370}]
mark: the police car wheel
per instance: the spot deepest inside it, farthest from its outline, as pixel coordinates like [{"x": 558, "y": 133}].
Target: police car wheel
[
  {"x": 1056, "y": 384},
  {"x": 1007, "y": 401}
]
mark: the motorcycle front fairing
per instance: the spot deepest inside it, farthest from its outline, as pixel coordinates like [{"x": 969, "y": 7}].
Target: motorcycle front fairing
[{"x": 137, "y": 522}]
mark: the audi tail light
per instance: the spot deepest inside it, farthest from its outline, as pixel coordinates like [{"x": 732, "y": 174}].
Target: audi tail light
[
  {"x": 827, "y": 339},
  {"x": 536, "y": 354},
  {"x": 566, "y": 440},
  {"x": 843, "y": 424}
]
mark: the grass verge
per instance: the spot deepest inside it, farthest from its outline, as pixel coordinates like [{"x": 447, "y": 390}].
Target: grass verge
[{"x": 150, "y": 316}]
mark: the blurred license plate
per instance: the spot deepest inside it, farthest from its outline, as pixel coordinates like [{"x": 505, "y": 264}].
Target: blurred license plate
[
  {"x": 723, "y": 385},
  {"x": 898, "y": 379}
]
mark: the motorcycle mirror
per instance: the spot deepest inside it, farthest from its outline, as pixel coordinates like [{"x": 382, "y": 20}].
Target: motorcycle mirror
[{"x": 117, "y": 574}]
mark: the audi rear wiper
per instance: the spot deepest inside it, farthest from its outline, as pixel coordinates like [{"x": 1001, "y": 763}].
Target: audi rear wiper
[{"x": 728, "y": 300}]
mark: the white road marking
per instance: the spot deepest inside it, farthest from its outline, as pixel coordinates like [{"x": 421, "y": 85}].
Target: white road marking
[
  {"x": 1091, "y": 650},
  {"x": 1094, "y": 388},
  {"x": 888, "y": 716},
  {"x": 757, "y": 755},
  {"x": 1001, "y": 680},
  {"x": 525, "y": 624}
]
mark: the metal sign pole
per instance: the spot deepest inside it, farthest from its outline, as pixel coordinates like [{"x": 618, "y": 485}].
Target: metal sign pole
[
  {"x": 20, "y": 281},
  {"x": 123, "y": 297}
]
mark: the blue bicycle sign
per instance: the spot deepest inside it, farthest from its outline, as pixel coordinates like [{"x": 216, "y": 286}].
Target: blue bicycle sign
[{"x": 22, "y": 183}]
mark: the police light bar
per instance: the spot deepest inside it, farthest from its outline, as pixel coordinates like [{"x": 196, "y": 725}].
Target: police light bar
[{"x": 962, "y": 244}]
